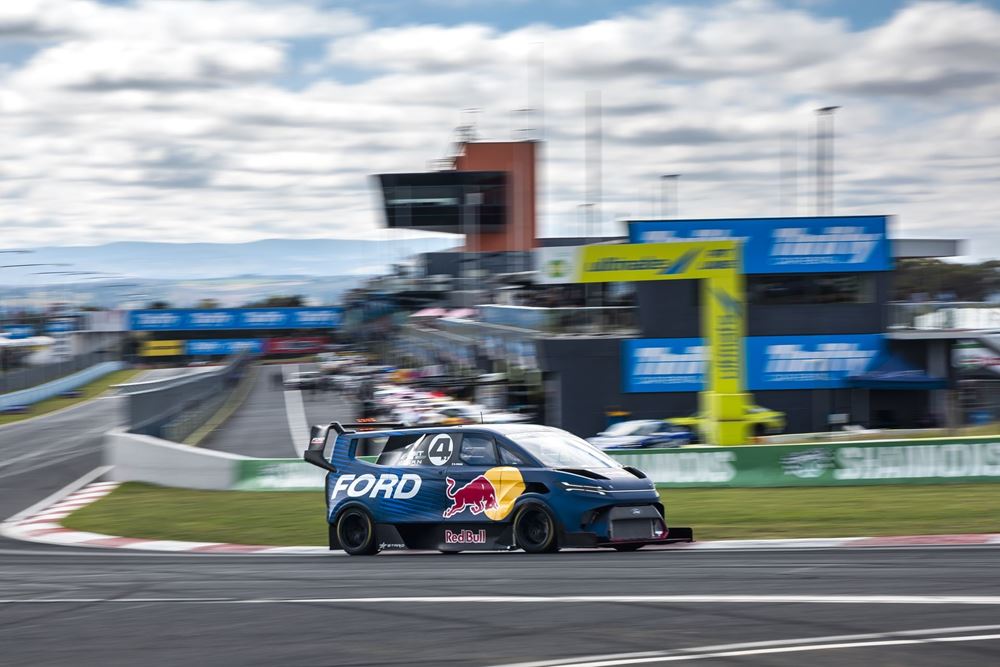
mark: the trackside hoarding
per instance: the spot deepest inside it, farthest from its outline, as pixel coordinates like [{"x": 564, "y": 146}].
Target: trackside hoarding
[
  {"x": 785, "y": 245},
  {"x": 930, "y": 461},
  {"x": 223, "y": 319},
  {"x": 772, "y": 362}
]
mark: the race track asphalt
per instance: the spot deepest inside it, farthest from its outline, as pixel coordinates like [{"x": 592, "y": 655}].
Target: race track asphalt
[
  {"x": 72, "y": 606},
  {"x": 260, "y": 426},
  {"x": 161, "y": 609}
]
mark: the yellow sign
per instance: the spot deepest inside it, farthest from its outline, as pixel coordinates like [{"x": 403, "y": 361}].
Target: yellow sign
[
  {"x": 718, "y": 265},
  {"x": 658, "y": 261},
  {"x": 162, "y": 348}
]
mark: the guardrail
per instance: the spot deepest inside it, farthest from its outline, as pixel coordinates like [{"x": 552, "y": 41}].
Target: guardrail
[
  {"x": 27, "y": 397},
  {"x": 176, "y": 407},
  {"x": 944, "y": 315},
  {"x": 561, "y": 320},
  {"x": 930, "y": 461},
  {"x": 35, "y": 376}
]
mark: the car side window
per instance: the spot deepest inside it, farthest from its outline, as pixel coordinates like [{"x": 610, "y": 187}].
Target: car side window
[
  {"x": 432, "y": 450},
  {"x": 477, "y": 450},
  {"x": 509, "y": 458}
]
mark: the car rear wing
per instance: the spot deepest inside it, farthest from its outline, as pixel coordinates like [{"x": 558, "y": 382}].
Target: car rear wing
[{"x": 319, "y": 433}]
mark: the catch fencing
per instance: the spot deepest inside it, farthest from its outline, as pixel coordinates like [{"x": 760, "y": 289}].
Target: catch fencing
[
  {"x": 175, "y": 407},
  {"x": 33, "y": 376}
]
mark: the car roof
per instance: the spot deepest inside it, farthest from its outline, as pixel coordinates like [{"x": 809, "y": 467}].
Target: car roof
[{"x": 502, "y": 429}]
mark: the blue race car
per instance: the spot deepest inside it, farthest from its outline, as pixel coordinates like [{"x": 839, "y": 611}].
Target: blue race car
[
  {"x": 481, "y": 487},
  {"x": 641, "y": 433}
]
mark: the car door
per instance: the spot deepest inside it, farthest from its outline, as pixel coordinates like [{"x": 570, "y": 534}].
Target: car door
[
  {"x": 428, "y": 458},
  {"x": 471, "y": 487}
]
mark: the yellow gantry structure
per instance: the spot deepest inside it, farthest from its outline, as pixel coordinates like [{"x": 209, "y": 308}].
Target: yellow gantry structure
[{"x": 717, "y": 265}]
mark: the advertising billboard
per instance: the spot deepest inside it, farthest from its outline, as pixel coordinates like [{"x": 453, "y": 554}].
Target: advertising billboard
[
  {"x": 630, "y": 262},
  {"x": 303, "y": 345},
  {"x": 785, "y": 245},
  {"x": 15, "y": 331},
  {"x": 223, "y": 346},
  {"x": 773, "y": 362},
  {"x": 223, "y": 319},
  {"x": 161, "y": 348}
]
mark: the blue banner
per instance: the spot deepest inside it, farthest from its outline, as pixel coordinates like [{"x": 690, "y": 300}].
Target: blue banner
[
  {"x": 223, "y": 319},
  {"x": 60, "y": 326},
  {"x": 15, "y": 331},
  {"x": 772, "y": 362},
  {"x": 663, "y": 364},
  {"x": 785, "y": 245},
  {"x": 222, "y": 346},
  {"x": 809, "y": 362}
]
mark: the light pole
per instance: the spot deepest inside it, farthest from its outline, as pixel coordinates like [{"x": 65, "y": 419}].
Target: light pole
[{"x": 824, "y": 160}]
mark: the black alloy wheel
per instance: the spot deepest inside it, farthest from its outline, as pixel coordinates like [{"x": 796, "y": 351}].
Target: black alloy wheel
[
  {"x": 535, "y": 530},
  {"x": 356, "y": 532}
]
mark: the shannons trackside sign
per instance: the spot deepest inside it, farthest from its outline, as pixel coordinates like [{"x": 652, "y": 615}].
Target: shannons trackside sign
[
  {"x": 937, "y": 461},
  {"x": 785, "y": 245}
]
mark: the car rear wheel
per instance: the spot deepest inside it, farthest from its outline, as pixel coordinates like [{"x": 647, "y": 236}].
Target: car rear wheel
[
  {"x": 535, "y": 530},
  {"x": 356, "y": 532}
]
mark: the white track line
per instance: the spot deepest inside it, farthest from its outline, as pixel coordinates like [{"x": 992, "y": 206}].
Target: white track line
[
  {"x": 61, "y": 494},
  {"x": 295, "y": 413},
  {"x": 904, "y": 637},
  {"x": 990, "y": 600}
]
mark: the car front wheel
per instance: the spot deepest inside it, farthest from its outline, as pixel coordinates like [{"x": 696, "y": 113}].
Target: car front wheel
[
  {"x": 535, "y": 530},
  {"x": 356, "y": 532}
]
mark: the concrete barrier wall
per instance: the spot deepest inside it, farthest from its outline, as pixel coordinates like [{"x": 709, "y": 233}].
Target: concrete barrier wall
[
  {"x": 143, "y": 458},
  {"x": 52, "y": 389},
  {"x": 929, "y": 461}
]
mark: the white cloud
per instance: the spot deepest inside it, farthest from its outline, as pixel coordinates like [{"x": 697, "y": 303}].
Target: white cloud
[{"x": 189, "y": 120}]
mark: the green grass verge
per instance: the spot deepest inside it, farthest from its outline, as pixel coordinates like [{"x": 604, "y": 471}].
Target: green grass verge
[
  {"x": 296, "y": 518},
  {"x": 87, "y": 392}
]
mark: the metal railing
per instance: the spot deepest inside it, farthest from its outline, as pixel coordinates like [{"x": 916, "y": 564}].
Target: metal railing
[
  {"x": 945, "y": 315},
  {"x": 33, "y": 376},
  {"x": 562, "y": 320}
]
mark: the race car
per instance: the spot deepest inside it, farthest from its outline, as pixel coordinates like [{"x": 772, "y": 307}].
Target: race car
[
  {"x": 764, "y": 421},
  {"x": 641, "y": 433},
  {"x": 481, "y": 487}
]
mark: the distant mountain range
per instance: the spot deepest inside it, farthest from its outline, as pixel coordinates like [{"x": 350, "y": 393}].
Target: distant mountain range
[
  {"x": 183, "y": 273},
  {"x": 300, "y": 257}
]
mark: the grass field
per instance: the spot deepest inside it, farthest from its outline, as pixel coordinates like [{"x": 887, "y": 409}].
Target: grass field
[
  {"x": 297, "y": 518},
  {"x": 87, "y": 392}
]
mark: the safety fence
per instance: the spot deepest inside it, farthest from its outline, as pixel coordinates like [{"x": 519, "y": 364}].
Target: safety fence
[
  {"x": 931, "y": 461},
  {"x": 35, "y": 376},
  {"x": 43, "y": 392},
  {"x": 175, "y": 407}
]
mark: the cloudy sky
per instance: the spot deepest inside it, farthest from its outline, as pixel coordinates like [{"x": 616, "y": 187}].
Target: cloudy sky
[{"x": 197, "y": 120}]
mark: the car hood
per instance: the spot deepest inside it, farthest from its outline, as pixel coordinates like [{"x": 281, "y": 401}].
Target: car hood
[{"x": 619, "y": 479}]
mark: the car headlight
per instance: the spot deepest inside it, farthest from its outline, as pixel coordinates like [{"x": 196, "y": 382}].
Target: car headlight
[{"x": 584, "y": 488}]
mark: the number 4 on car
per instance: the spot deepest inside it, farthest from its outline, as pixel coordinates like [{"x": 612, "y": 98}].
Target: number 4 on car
[{"x": 481, "y": 487}]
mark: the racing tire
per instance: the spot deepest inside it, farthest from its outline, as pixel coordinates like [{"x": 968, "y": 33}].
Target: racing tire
[
  {"x": 356, "y": 532},
  {"x": 627, "y": 547},
  {"x": 536, "y": 530}
]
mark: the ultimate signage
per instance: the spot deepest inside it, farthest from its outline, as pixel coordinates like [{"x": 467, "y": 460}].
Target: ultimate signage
[{"x": 785, "y": 245}]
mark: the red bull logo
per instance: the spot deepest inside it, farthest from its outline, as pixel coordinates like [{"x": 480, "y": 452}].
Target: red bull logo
[
  {"x": 465, "y": 537},
  {"x": 477, "y": 496}
]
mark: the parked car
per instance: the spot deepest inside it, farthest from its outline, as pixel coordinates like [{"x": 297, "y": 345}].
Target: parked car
[
  {"x": 763, "y": 422},
  {"x": 482, "y": 487},
  {"x": 640, "y": 433}
]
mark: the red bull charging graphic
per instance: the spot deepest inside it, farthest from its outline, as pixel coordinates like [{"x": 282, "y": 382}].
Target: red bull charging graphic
[{"x": 493, "y": 493}]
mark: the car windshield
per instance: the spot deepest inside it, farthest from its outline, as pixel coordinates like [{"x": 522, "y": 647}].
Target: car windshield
[
  {"x": 558, "y": 449},
  {"x": 633, "y": 428}
]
